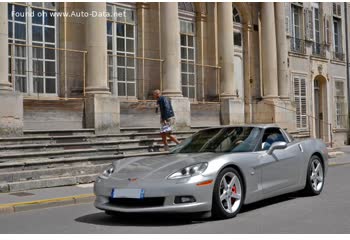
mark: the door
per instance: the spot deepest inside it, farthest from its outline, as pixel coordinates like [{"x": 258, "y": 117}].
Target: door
[
  {"x": 279, "y": 170},
  {"x": 318, "y": 111}
]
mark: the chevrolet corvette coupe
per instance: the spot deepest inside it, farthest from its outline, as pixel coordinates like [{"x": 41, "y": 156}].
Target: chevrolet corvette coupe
[{"x": 214, "y": 172}]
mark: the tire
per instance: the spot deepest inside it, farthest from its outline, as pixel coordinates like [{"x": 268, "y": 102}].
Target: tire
[
  {"x": 314, "y": 177},
  {"x": 233, "y": 192}
]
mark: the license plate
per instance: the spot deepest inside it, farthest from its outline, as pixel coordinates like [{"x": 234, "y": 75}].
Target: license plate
[{"x": 128, "y": 193}]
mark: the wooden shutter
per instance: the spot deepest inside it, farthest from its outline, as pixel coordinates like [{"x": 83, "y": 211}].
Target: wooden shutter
[
  {"x": 328, "y": 30},
  {"x": 288, "y": 13},
  {"x": 300, "y": 102},
  {"x": 309, "y": 25}
]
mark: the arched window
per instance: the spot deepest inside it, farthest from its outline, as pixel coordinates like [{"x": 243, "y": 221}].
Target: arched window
[
  {"x": 238, "y": 51},
  {"x": 188, "y": 49},
  {"x": 236, "y": 16},
  {"x": 237, "y": 35}
]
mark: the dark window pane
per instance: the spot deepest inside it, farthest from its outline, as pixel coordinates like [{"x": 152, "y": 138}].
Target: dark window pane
[
  {"x": 120, "y": 44},
  {"x": 130, "y": 75},
  {"x": 50, "y": 35},
  {"x": 183, "y": 67},
  {"x": 20, "y": 13},
  {"x": 109, "y": 43},
  {"x": 109, "y": 28},
  {"x": 183, "y": 53},
  {"x": 190, "y": 41},
  {"x": 36, "y": 18},
  {"x": 121, "y": 74},
  {"x": 183, "y": 40},
  {"x": 37, "y": 33},
  {"x": 37, "y": 52},
  {"x": 191, "y": 79},
  {"x": 130, "y": 31},
  {"x": 131, "y": 89},
  {"x": 120, "y": 29},
  {"x": 20, "y": 31},
  {"x": 191, "y": 54},
  {"x": 184, "y": 78},
  {"x": 130, "y": 61},
  {"x": 20, "y": 67},
  {"x": 50, "y": 69},
  {"x": 121, "y": 89},
  {"x": 50, "y": 86},
  {"x": 184, "y": 92},
  {"x": 38, "y": 68},
  {"x": 20, "y": 51},
  {"x": 21, "y": 84},
  {"x": 121, "y": 61},
  {"x": 9, "y": 12},
  {"x": 191, "y": 92},
  {"x": 38, "y": 85},
  {"x": 49, "y": 18},
  {"x": 10, "y": 29},
  {"x": 129, "y": 45},
  {"x": 49, "y": 53},
  {"x": 237, "y": 39},
  {"x": 50, "y": 5}
]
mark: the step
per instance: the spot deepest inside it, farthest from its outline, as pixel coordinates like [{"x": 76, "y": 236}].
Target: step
[
  {"x": 6, "y": 157},
  {"x": 33, "y": 164},
  {"x": 46, "y": 183},
  {"x": 47, "y": 173},
  {"x": 81, "y": 145},
  {"x": 84, "y": 138},
  {"x": 59, "y": 132}
]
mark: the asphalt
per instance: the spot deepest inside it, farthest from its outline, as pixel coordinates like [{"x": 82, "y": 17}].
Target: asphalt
[{"x": 69, "y": 195}]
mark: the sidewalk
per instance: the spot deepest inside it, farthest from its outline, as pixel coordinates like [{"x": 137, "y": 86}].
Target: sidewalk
[{"x": 59, "y": 196}]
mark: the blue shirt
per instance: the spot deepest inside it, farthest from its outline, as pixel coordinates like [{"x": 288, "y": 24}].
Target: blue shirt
[{"x": 166, "y": 110}]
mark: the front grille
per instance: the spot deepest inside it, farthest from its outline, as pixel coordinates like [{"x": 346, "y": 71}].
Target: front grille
[{"x": 137, "y": 203}]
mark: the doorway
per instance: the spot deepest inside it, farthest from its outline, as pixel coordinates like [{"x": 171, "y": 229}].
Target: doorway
[{"x": 320, "y": 108}]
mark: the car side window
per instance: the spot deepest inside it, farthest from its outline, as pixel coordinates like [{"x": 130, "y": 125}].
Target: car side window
[{"x": 270, "y": 136}]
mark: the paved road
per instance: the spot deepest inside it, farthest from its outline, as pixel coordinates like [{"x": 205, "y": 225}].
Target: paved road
[{"x": 327, "y": 213}]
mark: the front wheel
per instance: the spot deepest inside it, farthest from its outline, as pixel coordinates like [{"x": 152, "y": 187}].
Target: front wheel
[
  {"x": 315, "y": 177},
  {"x": 228, "y": 194}
]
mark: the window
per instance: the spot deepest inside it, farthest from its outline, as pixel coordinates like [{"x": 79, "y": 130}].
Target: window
[
  {"x": 188, "y": 59},
  {"x": 121, "y": 50},
  {"x": 34, "y": 68},
  {"x": 271, "y": 135},
  {"x": 340, "y": 104},
  {"x": 297, "y": 44},
  {"x": 337, "y": 38},
  {"x": 237, "y": 32},
  {"x": 300, "y": 102}
]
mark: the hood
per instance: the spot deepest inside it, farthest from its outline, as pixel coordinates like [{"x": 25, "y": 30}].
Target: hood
[{"x": 157, "y": 167}]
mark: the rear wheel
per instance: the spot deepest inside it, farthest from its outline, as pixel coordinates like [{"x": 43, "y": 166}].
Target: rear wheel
[
  {"x": 315, "y": 176},
  {"x": 228, "y": 194}
]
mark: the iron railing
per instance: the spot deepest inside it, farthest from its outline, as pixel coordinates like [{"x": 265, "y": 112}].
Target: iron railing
[
  {"x": 318, "y": 49},
  {"x": 297, "y": 45}
]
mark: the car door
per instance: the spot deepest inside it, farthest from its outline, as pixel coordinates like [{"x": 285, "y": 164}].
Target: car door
[{"x": 280, "y": 169}]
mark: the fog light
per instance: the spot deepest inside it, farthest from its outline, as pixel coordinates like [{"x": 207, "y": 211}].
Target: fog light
[{"x": 184, "y": 199}]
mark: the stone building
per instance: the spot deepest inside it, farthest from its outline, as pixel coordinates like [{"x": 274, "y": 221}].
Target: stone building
[{"x": 95, "y": 65}]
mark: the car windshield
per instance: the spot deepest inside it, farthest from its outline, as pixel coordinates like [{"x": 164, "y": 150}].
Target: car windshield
[{"x": 220, "y": 140}]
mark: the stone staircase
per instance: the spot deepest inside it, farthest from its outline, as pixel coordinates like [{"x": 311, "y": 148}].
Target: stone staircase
[{"x": 43, "y": 159}]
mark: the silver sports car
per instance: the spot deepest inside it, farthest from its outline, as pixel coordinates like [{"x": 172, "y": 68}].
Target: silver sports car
[{"x": 215, "y": 172}]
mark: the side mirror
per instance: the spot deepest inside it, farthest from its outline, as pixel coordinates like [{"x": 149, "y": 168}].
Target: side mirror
[{"x": 275, "y": 146}]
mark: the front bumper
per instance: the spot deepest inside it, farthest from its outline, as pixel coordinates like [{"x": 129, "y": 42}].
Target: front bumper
[{"x": 162, "y": 189}]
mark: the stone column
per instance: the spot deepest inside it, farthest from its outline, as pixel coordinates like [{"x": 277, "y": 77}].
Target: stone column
[
  {"x": 170, "y": 49},
  {"x": 269, "y": 50},
  {"x": 226, "y": 48},
  {"x": 232, "y": 108},
  {"x": 11, "y": 103},
  {"x": 282, "y": 50},
  {"x": 101, "y": 109},
  {"x": 170, "y": 52}
]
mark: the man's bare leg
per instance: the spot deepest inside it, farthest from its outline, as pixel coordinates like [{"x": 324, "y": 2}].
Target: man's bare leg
[
  {"x": 173, "y": 138},
  {"x": 165, "y": 141}
]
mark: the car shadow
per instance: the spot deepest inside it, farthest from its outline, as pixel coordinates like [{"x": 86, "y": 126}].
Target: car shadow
[
  {"x": 140, "y": 220},
  {"x": 158, "y": 220}
]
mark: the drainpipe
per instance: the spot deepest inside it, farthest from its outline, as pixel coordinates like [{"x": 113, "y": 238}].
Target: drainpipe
[{"x": 347, "y": 63}]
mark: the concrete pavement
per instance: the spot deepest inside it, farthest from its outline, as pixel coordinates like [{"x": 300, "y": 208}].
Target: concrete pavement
[{"x": 59, "y": 196}]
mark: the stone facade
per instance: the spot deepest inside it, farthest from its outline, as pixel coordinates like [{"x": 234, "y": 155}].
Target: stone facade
[{"x": 232, "y": 62}]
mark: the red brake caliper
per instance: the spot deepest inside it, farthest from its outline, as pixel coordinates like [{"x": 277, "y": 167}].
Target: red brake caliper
[{"x": 235, "y": 191}]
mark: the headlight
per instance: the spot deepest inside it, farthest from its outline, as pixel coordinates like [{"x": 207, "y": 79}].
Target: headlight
[
  {"x": 108, "y": 172},
  {"x": 189, "y": 171}
]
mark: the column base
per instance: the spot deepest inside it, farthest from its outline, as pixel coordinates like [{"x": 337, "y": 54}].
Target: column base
[
  {"x": 275, "y": 110},
  {"x": 232, "y": 111},
  {"x": 11, "y": 114},
  {"x": 182, "y": 110},
  {"x": 102, "y": 112}
]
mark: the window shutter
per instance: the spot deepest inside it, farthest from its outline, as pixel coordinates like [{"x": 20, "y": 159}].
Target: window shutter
[
  {"x": 309, "y": 25},
  {"x": 303, "y": 103},
  {"x": 338, "y": 9},
  {"x": 288, "y": 12},
  {"x": 328, "y": 30},
  {"x": 334, "y": 9}
]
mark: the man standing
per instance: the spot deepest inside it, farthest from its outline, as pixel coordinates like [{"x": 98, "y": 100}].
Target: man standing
[{"x": 167, "y": 118}]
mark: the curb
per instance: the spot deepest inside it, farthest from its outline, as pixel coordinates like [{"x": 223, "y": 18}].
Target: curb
[{"x": 45, "y": 203}]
